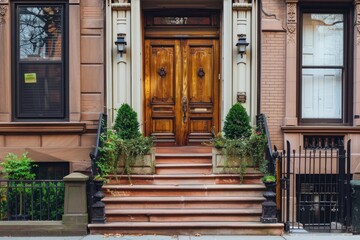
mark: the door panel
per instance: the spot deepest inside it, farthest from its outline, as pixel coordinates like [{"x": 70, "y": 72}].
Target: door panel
[
  {"x": 181, "y": 90},
  {"x": 202, "y": 89}
]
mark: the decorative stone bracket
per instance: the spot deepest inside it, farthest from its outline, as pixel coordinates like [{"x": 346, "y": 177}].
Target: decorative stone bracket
[
  {"x": 3, "y": 9},
  {"x": 357, "y": 21},
  {"x": 291, "y": 22}
]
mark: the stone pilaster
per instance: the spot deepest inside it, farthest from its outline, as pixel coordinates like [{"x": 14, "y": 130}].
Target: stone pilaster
[
  {"x": 4, "y": 62},
  {"x": 291, "y": 62},
  {"x": 242, "y": 71},
  {"x": 118, "y": 21}
]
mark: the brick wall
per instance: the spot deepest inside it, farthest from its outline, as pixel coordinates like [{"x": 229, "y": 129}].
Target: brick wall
[{"x": 272, "y": 95}]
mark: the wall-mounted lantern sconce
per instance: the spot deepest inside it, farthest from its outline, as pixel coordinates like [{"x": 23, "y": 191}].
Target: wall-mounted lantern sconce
[
  {"x": 241, "y": 97},
  {"x": 242, "y": 44},
  {"x": 121, "y": 43}
]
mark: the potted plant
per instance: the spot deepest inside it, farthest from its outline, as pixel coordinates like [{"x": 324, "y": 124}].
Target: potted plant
[
  {"x": 269, "y": 205},
  {"x": 269, "y": 182},
  {"x": 17, "y": 168},
  {"x": 240, "y": 147},
  {"x": 230, "y": 152},
  {"x": 124, "y": 149}
]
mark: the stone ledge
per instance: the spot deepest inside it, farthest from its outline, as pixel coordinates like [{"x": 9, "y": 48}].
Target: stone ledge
[
  {"x": 321, "y": 129},
  {"x": 40, "y": 228},
  {"x": 42, "y": 127}
]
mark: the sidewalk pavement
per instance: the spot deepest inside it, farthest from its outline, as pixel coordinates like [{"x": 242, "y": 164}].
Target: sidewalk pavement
[{"x": 294, "y": 236}]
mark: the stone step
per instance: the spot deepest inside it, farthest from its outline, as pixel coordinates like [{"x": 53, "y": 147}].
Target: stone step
[
  {"x": 245, "y": 190},
  {"x": 183, "y": 158},
  {"x": 188, "y": 228},
  {"x": 182, "y": 150},
  {"x": 183, "y": 215},
  {"x": 190, "y": 168},
  {"x": 183, "y": 202},
  {"x": 178, "y": 179}
]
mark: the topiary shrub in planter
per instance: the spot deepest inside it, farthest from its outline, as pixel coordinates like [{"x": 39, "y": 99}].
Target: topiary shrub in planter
[
  {"x": 124, "y": 149},
  {"x": 240, "y": 147}
]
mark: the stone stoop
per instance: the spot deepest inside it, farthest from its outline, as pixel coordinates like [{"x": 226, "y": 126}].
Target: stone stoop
[{"x": 184, "y": 197}]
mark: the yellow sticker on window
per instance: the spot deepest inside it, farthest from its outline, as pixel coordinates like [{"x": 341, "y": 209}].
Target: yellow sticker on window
[{"x": 30, "y": 77}]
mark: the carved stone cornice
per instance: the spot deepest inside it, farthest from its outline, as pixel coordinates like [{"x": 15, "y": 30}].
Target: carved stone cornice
[
  {"x": 291, "y": 21},
  {"x": 242, "y": 6},
  {"x": 3, "y": 9},
  {"x": 120, "y": 5}
]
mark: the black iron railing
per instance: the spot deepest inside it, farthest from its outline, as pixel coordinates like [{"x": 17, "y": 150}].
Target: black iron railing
[
  {"x": 316, "y": 188},
  {"x": 31, "y": 200},
  {"x": 270, "y": 155},
  {"x": 96, "y": 153},
  {"x": 94, "y": 194}
]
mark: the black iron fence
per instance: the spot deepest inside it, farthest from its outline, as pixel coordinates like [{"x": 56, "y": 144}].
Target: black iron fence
[
  {"x": 315, "y": 188},
  {"x": 32, "y": 200}
]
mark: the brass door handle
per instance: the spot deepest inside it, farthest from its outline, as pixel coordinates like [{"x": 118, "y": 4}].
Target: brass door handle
[{"x": 184, "y": 107}]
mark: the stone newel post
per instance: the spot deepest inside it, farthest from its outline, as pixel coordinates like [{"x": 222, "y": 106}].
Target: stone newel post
[{"x": 75, "y": 207}]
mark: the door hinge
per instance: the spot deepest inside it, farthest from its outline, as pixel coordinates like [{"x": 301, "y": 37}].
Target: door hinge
[{"x": 219, "y": 77}]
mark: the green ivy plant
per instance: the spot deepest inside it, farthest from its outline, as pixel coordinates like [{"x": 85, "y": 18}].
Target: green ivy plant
[
  {"x": 133, "y": 149},
  {"x": 110, "y": 152},
  {"x": 256, "y": 144},
  {"x": 235, "y": 151}
]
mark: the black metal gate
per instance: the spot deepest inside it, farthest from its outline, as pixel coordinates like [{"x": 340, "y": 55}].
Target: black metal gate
[{"x": 315, "y": 188}]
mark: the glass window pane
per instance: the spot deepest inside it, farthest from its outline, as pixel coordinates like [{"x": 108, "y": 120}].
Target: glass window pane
[
  {"x": 321, "y": 93},
  {"x": 322, "y": 40},
  {"x": 41, "y": 90},
  {"x": 40, "y": 32}
]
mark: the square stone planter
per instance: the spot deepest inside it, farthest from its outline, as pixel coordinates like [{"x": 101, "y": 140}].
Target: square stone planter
[
  {"x": 218, "y": 161},
  {"x": 142, "y": 165}
]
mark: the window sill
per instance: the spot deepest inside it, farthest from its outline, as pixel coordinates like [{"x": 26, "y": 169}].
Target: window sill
[
  {"x": 41, "y": 127},
  {"x": 321, "y": 129}
]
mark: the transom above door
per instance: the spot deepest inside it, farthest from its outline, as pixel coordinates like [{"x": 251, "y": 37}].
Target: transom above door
[{"x": 181, "y": 90}]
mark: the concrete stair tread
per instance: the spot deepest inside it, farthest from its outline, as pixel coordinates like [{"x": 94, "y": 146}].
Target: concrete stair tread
[
  {"x": 188, "y": 228},
  {"x": 187, "y": 224},
  {"x": 192, "y": 211},
  {"x": 180, "y": 199},
  {"x": 183, "y": 155},
  {"x": 190, "y": 175},
  {"x": 184, "y": 149},
  {"x": 180, "y": 165},
  {"x": 190, "y": 186},
  {"x": 175, "y": 176}
]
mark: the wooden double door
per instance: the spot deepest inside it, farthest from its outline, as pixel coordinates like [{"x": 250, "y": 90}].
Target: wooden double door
[{"x": 181, "y": 90}]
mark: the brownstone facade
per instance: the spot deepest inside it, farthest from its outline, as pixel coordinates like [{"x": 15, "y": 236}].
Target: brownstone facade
[
  {"x": 72, "y": 138},
  {"x": 284, "y": 39}
]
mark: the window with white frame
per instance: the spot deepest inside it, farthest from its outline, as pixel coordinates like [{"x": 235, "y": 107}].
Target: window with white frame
[{"x": 324, "y": 65}]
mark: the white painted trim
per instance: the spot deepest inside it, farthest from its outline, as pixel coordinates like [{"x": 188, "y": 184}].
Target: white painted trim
[
  {"x": 227, "y": 50},
  {"x": 136, "y": 60},
  {"x": 109, "y": 65},
  {"x": 254, "y": 62}
]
